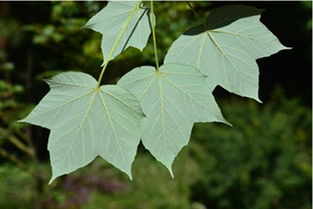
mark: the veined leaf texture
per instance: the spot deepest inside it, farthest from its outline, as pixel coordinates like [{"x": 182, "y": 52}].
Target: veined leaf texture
[
  {"x": 226, "y": 47},
  {"x": 172, "y": 99},
  {"x": 157, "y": 106},
  {"x": 86, "y": 122},
  {"x": 117, "y": 16}
]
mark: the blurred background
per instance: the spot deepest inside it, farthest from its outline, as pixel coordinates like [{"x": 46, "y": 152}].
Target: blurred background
[{"x": 262, "y": 162}]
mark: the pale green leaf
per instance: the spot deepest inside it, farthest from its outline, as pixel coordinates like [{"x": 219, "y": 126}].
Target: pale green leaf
[
  {"x": 226, "y": 49},
  {"x": 112, "y": 19},
  {"x": 86, "y": 122},
  {"x": 172, "y": 99}
]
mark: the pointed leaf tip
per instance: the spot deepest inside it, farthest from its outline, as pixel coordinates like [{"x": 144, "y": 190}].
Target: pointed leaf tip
[
  {"x": 74, "y": 111},
  {"x": 227, "y": 50},
  {"x": 126, "y": 15},
  {"x": 172, "y": 98}
]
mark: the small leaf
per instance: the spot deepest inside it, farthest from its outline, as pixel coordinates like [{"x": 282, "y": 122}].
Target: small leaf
[
  {"x": 172, "y": 98},
  {"x": 112, "y": 19},
  {"x": 226, "y": 49},
  {"x": 86, "y": 122}
]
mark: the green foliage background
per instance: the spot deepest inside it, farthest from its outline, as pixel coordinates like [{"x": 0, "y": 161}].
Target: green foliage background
[{"x": 262, "y": 162}]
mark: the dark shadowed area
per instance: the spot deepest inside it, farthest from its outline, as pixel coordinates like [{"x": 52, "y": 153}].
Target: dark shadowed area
[{"x": 262, "y": 162}]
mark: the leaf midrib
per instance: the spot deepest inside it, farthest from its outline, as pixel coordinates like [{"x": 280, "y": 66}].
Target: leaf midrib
[
  {"x": 62, "y": 105},
  {"x": 79, "y": 129},
  {"x": 184, "y": 92},
  {"x": 113, "y": 129}
]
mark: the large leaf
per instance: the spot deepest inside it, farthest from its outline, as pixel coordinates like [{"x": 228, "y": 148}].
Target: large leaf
[
  {"x": 172, "y": 99},
  {"x": 86, "y": 122},
  {"x": 225, "y": 49},
  {"x": 117, "y": 17}
]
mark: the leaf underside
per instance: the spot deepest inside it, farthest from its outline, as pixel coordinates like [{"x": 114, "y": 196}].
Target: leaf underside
[
  {"x": 226, "y": 47},
  {"x": 172, "y": 99},
  {"x": 86, "y": 123},
  {"x": 110, "y": 21}
]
